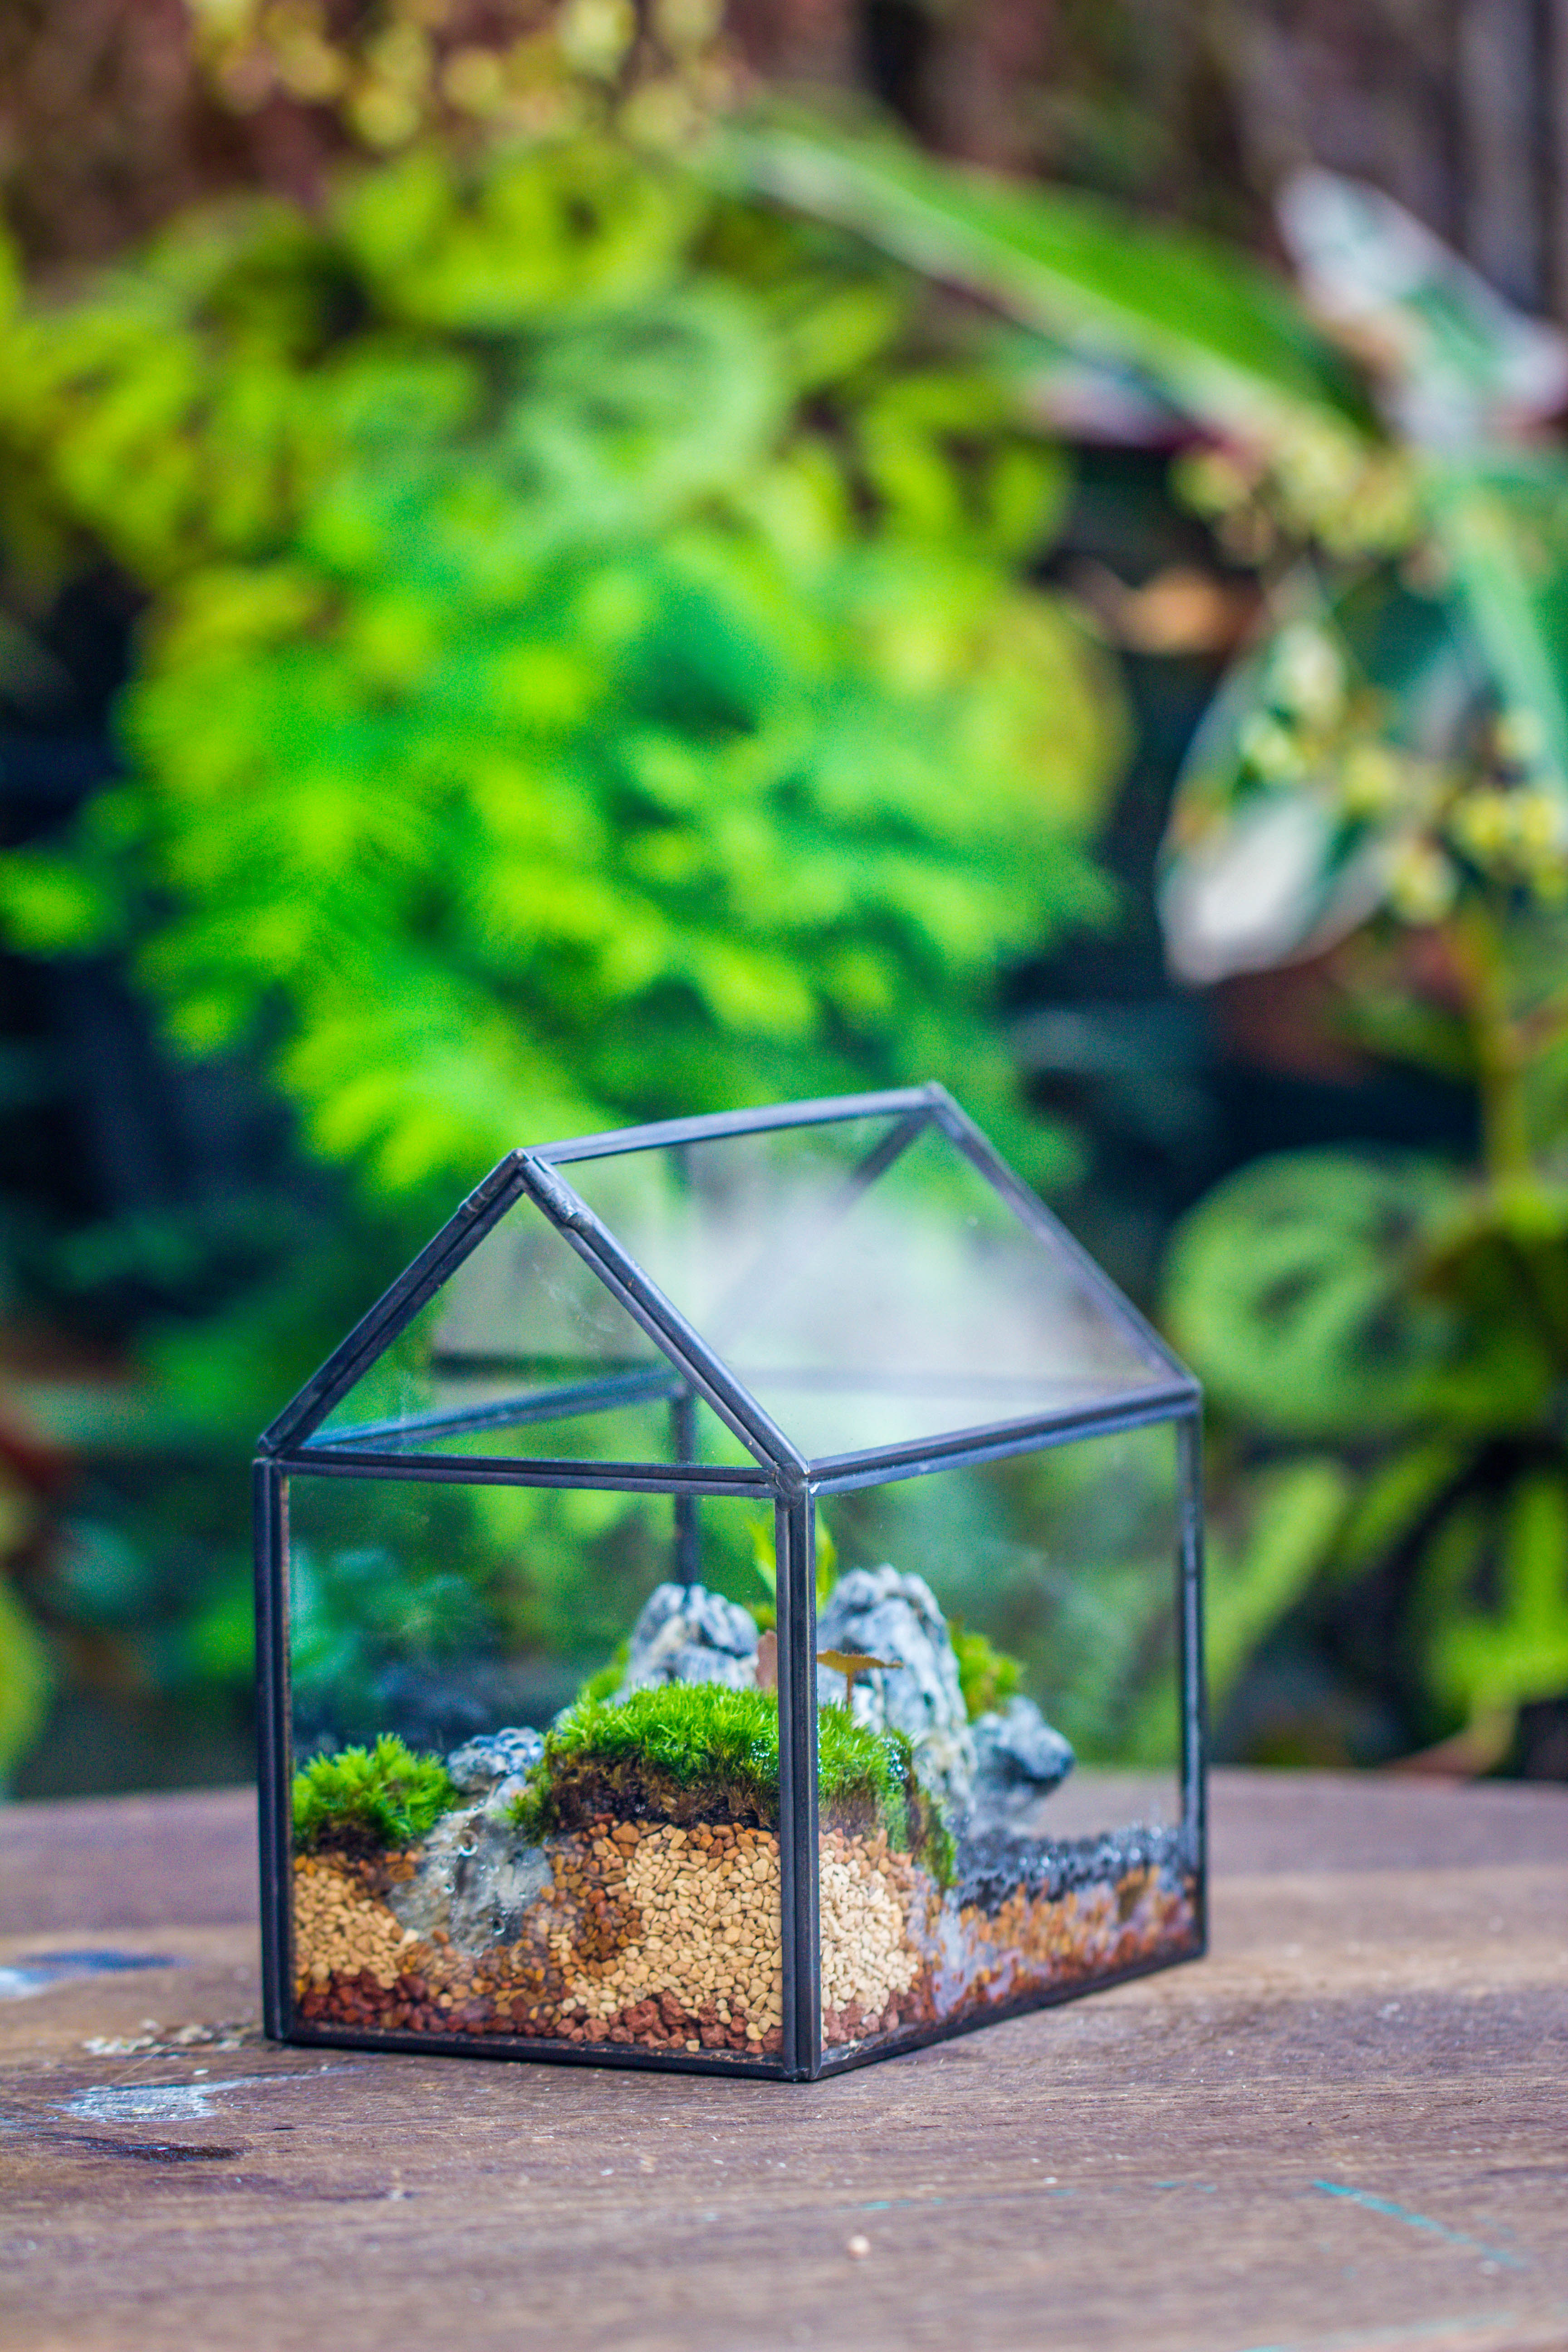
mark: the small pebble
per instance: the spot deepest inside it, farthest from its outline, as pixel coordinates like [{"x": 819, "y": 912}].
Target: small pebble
[{"x": 858, "y": 2249}]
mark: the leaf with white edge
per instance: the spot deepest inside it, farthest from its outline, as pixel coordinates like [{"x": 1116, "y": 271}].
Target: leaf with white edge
[{"x": 1212, "y": 329}]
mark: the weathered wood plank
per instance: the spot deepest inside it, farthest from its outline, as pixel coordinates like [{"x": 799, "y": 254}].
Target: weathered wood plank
[{"x": 1347, "y": 2128}]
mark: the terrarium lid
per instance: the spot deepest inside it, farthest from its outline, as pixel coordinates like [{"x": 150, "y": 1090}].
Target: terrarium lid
[{"x": 825, "y": 1287}]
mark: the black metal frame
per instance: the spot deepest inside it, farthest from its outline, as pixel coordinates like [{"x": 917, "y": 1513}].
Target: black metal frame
[{"x": 292, "y": 1446}]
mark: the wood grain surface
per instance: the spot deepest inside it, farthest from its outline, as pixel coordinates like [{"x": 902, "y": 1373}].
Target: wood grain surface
[{"x": 1347, "y": 2128}]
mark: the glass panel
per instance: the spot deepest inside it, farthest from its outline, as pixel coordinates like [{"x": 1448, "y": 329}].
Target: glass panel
[
  {"x": 525, "y": 1353},
  {"x": 455, "y": 1874},
  {"x": 1026, "y": 1613},
  {"x": 866, "y": 1282}
]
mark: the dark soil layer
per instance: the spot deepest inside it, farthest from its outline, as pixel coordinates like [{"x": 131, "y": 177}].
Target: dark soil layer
[
  {"x": 560, "y": 1981},
  {"x": 589, "y": 1788},
  {"x": 994, "y": 1867},
  {"x": 689, "y": 1753},
  {"x": 586, "y": 1789},
  {"x": 494, "y": 2009}
]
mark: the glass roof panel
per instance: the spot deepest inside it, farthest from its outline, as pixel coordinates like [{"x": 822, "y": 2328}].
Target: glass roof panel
[
  {"x": 524, "y": 1354},
  {"x": 867, "y": 1282}
]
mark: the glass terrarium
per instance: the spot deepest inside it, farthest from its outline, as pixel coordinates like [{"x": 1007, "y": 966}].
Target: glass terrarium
[{"x": 733, "y": 1604}]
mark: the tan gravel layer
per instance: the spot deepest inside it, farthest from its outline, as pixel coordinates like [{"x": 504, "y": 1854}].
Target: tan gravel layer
[
  {"x": 1092, "y": 1931},
  {"x": 702, "y": 1925},
  {"x": 669, "y": 1940},
  {"x": 647, "y": 1933},
  {"x": 338, "y": 1928},
  {"x": 868, "y": 1894}
]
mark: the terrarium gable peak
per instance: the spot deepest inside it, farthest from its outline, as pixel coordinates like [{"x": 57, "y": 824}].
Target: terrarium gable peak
[
  {"x": 686, "y": 1348},
  {"x": 869, "y": 1275},
  {"x": 378, "y": 1329}
]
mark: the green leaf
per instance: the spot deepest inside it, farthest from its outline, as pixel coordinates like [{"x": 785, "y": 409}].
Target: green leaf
[
  {"x": 1486, "y": 1660},
  {"x": 1398, "y": 1495},
  {"x": 1226, "y": 340},
  {"x": 1502, "y": 526},
  {"x": 1269, "y": 856},
  {"x": 1291, "y": 1289},
  {"x": 27, "y": 1680},
  {"x": 1501, "y": 1259},
  {"x": 1296, "y": 1518},
  {"x": 50, "y": 906}
]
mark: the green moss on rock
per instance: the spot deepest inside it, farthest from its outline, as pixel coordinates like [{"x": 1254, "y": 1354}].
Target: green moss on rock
[
  {"x": 988, "y": 1677},
  {"x": 699, "y": 1751},
  {"x": 368, "y": 1798}
]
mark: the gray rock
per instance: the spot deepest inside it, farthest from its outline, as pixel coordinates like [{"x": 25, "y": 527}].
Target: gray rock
[
  {"x": 477, "y": 1874},
  {"x": 888, "y": 1615},
  {"x": 476, "y": 1877},
  {"x": 1019, "y": 1755},
  {"x": 480, "y": 1765},
  {"x": 688, "y": 1634}
]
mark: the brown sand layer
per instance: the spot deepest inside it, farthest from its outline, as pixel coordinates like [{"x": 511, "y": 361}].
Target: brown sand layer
[
  {"x": 668, "y": 1938},
  {"x": 649, "y": 1932}
]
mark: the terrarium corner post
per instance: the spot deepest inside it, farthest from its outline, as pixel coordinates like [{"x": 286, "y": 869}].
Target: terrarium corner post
[
  {"x": 795, "y": 1525},
  {"x": 270, "y": 1496},
  {"x": 1190, "y": 1655}
]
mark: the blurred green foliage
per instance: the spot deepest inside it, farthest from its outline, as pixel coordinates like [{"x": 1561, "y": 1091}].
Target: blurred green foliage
[
  {"x": 378, "y": 1796},
  {"x": 586, "y": 669},
  {"x": 987, "y": 1676},
  {"x": 1384, "y": 780},
  {"x": 432, "y": 1580},
  {"x": 586, "y": 673},
  {"x": 1396, "y": 1335},
  {"x": 1384, "y": 773},
  {"x": 1055, "y": 1569},
  {"x": 25, "y": 1679}
]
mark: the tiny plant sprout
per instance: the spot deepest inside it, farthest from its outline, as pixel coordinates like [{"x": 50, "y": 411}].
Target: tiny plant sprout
[{"x": 850, "y": 1663}]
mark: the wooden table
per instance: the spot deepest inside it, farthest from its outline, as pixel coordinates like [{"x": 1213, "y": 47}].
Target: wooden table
[{"x": 1347, "y": 2128}]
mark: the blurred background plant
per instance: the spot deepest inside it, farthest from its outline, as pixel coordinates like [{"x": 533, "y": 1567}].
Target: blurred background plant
[
  {"x": 1379, "y": 789},
  {"x": 520, "y": 613},
  {"x": 583, "y": 668}
]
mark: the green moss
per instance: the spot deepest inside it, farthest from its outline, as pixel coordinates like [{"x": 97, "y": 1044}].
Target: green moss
[
  {"x": 691, "y": 1751},
  {"x": 688, "y": 1732},
  {"x": 939, "y": 1848},
  {"x": 987, "y": 1677},
  {"x": 379, "y": 1796},
  {"x": 607, "y": 1680}
]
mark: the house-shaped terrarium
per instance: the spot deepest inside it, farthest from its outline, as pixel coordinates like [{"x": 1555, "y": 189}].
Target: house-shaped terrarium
[{"x": 733, "y": 1604}]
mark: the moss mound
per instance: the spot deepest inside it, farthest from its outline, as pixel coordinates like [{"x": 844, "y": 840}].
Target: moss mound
[
  {"x": 988, "y": 1677},
  {"x": 689, "y": 1752},
  {"x": 364, "y": 1799}
]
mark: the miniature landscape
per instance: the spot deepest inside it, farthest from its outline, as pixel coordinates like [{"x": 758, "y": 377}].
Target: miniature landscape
[{"x": 616, "y": 1881}]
